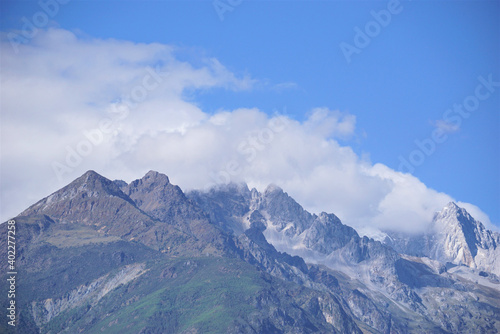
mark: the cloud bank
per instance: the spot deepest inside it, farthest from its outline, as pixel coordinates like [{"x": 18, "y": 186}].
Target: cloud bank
[{"x": 69, "y": 104}]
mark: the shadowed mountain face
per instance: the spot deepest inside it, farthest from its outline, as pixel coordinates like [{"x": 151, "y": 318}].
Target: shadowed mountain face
[
  {"x": 155, "y": 195},
  {"x": 107, "y": 256},
  {"x": 150, "y": 210},
  {"x": 90, "y": 199},
  {"x": 165, "y": 202}
]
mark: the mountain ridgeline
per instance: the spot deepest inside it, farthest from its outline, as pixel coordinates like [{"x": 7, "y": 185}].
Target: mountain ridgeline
[
  {"x": 454, "y": 237},
  {"x": 102, "y": 256}
]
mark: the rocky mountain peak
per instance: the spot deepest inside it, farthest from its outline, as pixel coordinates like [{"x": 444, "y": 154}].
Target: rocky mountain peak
[
  {"x": 453, "y": 219},
  {"x": 283, "y": 210},
  {"x": 155, "y": 176},
  {"x": 90, "y": 181},
  {"x": 89, "y": 185},
  {"x": 102, "y": 234},
  {"x": 92, "y": 184},
  {"x": 90, "y": 174},
  {"x": 463, "y": 240},
  {"x": 452, "y": 206},
  {"x": 166, "y": 202},
  {"x": 154, "y": 191},
  {"x": 452, "y": 210},
  {"x": 152, "y": 180},
  {"x": 455, "y": 237},
  {"x": 273, "y": 189}
]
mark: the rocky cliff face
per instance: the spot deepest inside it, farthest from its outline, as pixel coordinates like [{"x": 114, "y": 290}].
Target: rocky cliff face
[
  {"x": 163, "y": 201},
  {"x": 150, "y": 210},
  {"x": 462, "y": 240},
  {"x": 89, "y": 200},
  {"x": 455, "y": 237},
  {"x": 146, "y": 258},
  {"x": 87, "y": 294},
  {"x": 319, "y": 239},
  {"x": 385, "y": 280}
]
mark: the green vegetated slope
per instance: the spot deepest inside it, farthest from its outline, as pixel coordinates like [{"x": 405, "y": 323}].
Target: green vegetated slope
[
  {"x": 103, "y": 285},
  {"x": 176, "y": 295},
  {"x": 90, "y": 261},
  {"x": 191, "y": 295},
  {"x": 101, "y": 256}
]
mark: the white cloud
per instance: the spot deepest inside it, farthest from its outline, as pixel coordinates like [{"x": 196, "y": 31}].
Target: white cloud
[
  {"x": 445, "y": 127},
  {"x": 60, "y": 87},
  {"x": 325, "y": 123}
]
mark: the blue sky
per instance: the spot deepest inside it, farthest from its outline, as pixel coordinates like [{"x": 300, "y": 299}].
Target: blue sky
[{"x": 425, "y": 60}]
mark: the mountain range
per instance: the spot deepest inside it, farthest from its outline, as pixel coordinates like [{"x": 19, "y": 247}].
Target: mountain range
[{"x": 103, "y": 256}]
